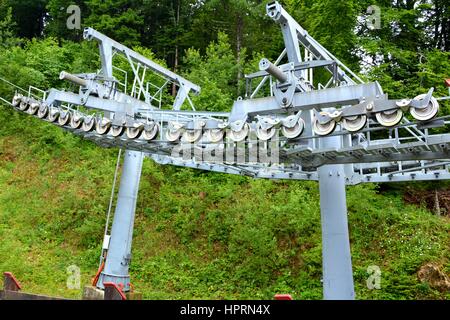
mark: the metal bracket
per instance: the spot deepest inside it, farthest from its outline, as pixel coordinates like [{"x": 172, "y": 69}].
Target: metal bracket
[{"x": 284, "y": 93}]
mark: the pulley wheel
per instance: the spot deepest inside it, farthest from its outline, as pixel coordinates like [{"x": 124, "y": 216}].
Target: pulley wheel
[
  {"x": 53, "y": 114},
  {"x": 265, "y": 135},
  {"x": 192, "y": 136},
  {"x": 23, "y": 106},
  {"x": 354, "y": 123},
  {"x": 117, "y": 131},
  {"x": 240, "y": 135},
  {"x": 64, "y": 118},
  {"x": 324, "y": 129},
  {"x": 295, "y": 131},
  {"x": 33, "y": 109},
  {"x": 43, "y": 111},
  {"x": 76, "y": 122},
  {"x": 215, "y": 135},
  {"x": 88, "y": 124},
  {"x": 103, "y": 126},
  {"x": 427, "y": 113},
  {"x": 16, "y": 100},
  {"x": 389, "y": 118},
  {"x": 134, "y": 133},
  {"x": 173, "y": 136},
  {"x": 151, "y": 134}
]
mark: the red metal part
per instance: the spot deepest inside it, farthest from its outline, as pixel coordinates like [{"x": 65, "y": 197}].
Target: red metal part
[
  {"x": 447, "y": 82},
  {"x": 113, "y": 292},
  {"x": 283, "y": 297},
  {"x": 97, "y": 276},
  {"x": 11, "y": 282}
]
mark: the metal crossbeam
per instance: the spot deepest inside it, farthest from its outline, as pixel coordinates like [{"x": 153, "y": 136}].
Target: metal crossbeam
[{"x": 91, "y": 34}]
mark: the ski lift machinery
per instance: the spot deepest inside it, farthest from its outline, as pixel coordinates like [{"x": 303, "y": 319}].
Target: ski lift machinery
[{"x": 326, "y": 133}]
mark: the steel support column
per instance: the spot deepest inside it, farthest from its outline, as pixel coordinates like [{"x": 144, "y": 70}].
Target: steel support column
[
  {"x": 336, "y": 256},
  {"x": 119, "y": 253}
]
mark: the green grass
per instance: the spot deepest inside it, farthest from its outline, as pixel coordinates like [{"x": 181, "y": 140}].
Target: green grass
[{"x": 247, "y": 239}]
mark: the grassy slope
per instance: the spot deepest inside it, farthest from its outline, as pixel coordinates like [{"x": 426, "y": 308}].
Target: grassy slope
[{"x": 245, "y": 239}]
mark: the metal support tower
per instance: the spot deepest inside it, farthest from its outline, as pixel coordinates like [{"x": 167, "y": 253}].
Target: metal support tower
[
  {"x": 118, "y": 256},
  {"x": 336, "y": 256},
  {"x": 119, "y": 253}
]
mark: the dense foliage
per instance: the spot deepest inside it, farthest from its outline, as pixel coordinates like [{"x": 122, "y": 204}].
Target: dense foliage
[{"x": 205, "y": 235}]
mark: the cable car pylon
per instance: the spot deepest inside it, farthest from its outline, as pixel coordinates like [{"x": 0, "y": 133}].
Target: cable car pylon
[{"x": 301, "y": 130}]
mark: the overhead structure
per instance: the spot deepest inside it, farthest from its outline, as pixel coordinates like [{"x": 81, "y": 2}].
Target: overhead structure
[{"x": 342, "y": 132}]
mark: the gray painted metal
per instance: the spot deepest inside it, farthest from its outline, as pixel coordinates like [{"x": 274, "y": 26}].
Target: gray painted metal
[
  {"x": 269, "y": 67},
  {"x": 293, "y": 33},
  {"x": 91, "y": 34},
  {"x": 332, "y": 97},
  {"x": 119, "y": 253},
  {"x": 336, "y": 256}
]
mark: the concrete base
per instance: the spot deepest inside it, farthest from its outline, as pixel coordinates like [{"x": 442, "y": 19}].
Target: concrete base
[
  {"x": 18, "y": 295},
  {"x": 92, "y": 293}
]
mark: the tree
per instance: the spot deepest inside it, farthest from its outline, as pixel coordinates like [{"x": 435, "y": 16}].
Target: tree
[
  {"x": 7, "y": 35},
  {"x": 57, "y": 24},
  {"x": 402, "y": 50},
  {"x": 331, "y": 23},
  {"x": 167, "y": 28},
  {"x": 121, "y": 20},
  {"x": 246, "y": 24},
  {"x": 437, "y": 14},
  {"x": 215, "y": 73},
  {"x": 30, "y": 17}
]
